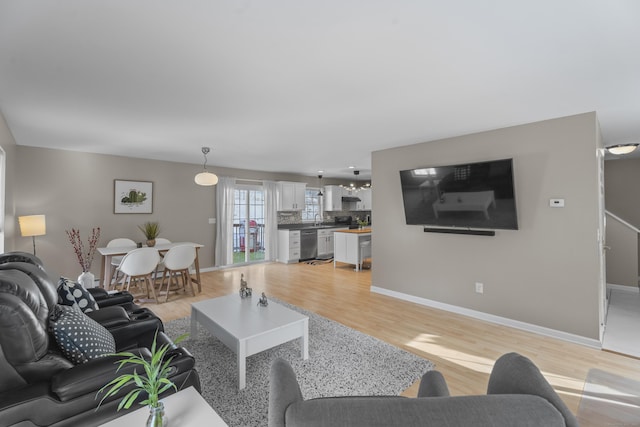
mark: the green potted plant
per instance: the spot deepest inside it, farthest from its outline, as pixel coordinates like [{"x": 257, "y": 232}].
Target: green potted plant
[
  {"x": 151, "y": 230},
  {"x": 153, "y": 381}
]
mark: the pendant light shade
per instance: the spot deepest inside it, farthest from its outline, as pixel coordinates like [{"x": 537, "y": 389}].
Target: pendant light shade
[
  {"x": 205, "y": 177},
  {"x": 622, "y": 148}
]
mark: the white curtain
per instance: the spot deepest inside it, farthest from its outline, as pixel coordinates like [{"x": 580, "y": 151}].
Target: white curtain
[
  {"x": 224, "y": 224},
  {"x": 270, "y": 219}
]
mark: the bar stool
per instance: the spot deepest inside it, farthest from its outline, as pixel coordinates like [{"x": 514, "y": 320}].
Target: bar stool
[{"x": 365, "y": 252}]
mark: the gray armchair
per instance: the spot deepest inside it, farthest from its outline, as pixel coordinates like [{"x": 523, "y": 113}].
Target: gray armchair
[{"x": 518, "y": 395}]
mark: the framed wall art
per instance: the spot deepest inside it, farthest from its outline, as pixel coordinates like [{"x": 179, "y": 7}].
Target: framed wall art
[{"x": 134, "y": 197}]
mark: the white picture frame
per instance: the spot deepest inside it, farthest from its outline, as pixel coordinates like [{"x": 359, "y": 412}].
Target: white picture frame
[{"x": 132, "y": 197}]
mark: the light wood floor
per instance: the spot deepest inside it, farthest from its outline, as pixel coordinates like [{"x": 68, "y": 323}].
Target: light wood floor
[{"x": 462, "y": 348}]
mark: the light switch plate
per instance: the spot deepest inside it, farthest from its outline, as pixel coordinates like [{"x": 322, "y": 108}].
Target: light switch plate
[{"x": 556, "y": 203}]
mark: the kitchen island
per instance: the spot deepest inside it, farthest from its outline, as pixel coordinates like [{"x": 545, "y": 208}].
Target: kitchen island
[{"x": 347, "y": 246}]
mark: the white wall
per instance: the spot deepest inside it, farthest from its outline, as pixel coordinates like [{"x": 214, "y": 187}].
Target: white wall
[
  {"x": 8, "y": 146},
  {"x": 546, "y": 273}
]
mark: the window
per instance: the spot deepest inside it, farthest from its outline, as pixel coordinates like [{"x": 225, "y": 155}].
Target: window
[
  {"x": 248, "y": 225},
  {"x": 312, "y": 205}
]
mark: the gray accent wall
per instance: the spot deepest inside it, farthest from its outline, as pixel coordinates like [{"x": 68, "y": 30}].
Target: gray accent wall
[
  {"x": 622, "y": 255},
  {"x": 621, "y": 177},
  {"x": 547, "y": 272},
  {"x": 75, "y": 190}
]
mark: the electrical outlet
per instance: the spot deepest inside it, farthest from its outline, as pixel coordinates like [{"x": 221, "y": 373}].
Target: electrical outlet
[{"x": 479, "y": 288}]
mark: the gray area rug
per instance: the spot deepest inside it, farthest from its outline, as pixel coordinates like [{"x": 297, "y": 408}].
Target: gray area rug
[
  {"x": 609, "y": 400},
  {"x": 342, "y": 361}
]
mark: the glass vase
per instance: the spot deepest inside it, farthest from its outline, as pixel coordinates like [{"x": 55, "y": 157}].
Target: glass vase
[
  {"x": 157, "y": 417},
  {"x": 87, "y": 279}
]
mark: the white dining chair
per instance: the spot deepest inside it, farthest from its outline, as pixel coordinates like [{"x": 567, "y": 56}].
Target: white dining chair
[
  {"x": 160, "y": 241},
  {"x": 137, "y": 267},
  {"x": 176, "y": 263},
  {"x": 121, "y": 242}
]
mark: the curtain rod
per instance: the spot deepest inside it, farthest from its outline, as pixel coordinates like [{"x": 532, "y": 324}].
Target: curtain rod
[{"x": 249, "y": 181}]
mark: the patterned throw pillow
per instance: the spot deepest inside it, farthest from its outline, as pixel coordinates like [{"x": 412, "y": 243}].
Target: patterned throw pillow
[
  {"x": 80, "y": 338},
  {"x": 75, "y": 295}
]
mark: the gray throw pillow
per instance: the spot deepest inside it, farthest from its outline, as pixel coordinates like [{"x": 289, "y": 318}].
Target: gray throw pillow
[{"x": 79, "y": 338}]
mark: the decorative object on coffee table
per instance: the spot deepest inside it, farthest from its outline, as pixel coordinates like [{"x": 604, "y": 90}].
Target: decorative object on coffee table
[
  {"x": 85, "y": 257},
  {"x": 263, "y": 301},
  {"x": 154, "y": 381},
  {"x": 245, "y": 291},
  {"x": 151, "y": 230}
]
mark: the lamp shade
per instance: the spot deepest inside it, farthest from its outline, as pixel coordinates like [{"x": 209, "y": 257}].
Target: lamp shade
[
  {"x": 32, "y": 225},
  {"x": 622, "y": 148},
  {"x": 206, "y": 178}
]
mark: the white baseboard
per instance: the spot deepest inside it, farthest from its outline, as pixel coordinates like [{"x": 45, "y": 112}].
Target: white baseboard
[
  {"x": 623, "y": 288},
  {"x": 540, "y": 330}
]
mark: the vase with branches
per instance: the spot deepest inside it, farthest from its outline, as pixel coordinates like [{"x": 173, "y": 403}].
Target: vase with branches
[{"x": 84, "y": 254}]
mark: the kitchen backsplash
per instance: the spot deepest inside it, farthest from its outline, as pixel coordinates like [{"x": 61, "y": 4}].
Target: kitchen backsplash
[{"x": 295, "y": 217}]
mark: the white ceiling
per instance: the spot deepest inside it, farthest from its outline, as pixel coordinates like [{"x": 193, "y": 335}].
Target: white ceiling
[{"x": 302, "y": 85}]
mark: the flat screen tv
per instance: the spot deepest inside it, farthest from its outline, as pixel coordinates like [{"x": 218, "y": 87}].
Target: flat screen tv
[{"x": 471, "y": 196}]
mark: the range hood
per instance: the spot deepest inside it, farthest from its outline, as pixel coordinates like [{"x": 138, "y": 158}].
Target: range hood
[{"x": 349, "y": 199}]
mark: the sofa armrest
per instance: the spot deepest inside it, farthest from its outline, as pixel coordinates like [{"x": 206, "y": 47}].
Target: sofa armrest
[
  {"x": 283, "y": 391},
  {"x": 91, "y": 376},
  {"x": 98, "y": 293},
  {"x": 105, "y": 299},
  {"x": 515, "y": 374},
  {"x": 110, "y": 317},
  {"x": 433, "y": 384}
]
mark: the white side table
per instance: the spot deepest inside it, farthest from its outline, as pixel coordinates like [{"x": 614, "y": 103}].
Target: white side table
[{"x": 184, "y": 408}]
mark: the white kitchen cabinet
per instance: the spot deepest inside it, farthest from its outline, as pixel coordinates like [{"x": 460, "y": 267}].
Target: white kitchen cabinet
[
  {"x": 325, "y": 241},
  {"x": 364, "y": 194},
  {"x": 291, "y": 196},
  {"x": 332, "y": 198},
  {"x": 365, "y": 199},
  {"x": 288, "y": 246}
]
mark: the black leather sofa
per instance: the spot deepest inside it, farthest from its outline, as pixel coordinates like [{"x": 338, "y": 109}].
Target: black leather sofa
[
  {"x": 117, "y": 311},
  {"x": 38, "y": 385}
]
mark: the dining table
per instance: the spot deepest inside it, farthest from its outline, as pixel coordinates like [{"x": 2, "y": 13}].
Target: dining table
[{"x": 106, "y": 269}]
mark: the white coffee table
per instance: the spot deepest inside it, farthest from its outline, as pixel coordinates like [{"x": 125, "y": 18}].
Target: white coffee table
[
  {"x": 247, "y": 328},
  {"x": 184, "y": 408}
]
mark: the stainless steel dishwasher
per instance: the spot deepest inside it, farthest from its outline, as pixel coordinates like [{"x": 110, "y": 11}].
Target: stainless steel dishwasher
[{"x": 308, "y": 244}]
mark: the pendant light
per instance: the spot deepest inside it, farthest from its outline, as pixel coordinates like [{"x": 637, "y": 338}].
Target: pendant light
[
  {"x": 320, "y": 186},
  {"x": 622, "y": 148},
  {"x": 206, "y": 178}
]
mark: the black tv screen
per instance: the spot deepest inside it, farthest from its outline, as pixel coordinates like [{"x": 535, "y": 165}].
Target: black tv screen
[{"x": 472, "y": 195}]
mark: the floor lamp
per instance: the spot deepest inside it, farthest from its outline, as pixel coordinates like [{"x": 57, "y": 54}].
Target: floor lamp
[{"x": 32, "y": 226}]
